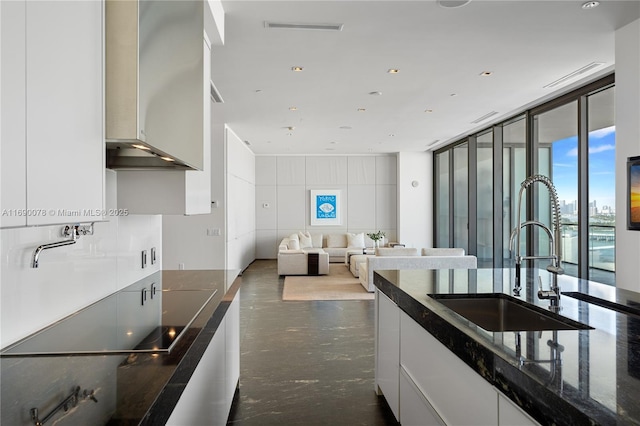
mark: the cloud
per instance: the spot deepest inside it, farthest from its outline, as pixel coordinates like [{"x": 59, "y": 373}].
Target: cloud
[
  {"x": 601, "y": 133},
  {"x": 601, "y": 148},
  {"x": 563, "y": 165},
  {"x": 592, "y": 150}
]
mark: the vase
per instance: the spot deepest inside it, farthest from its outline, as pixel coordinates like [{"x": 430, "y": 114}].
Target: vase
[{"x": 376, "y": 243}]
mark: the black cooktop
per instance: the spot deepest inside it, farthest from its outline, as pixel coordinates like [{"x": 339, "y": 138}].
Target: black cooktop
[{"x": 142, "y": 317}]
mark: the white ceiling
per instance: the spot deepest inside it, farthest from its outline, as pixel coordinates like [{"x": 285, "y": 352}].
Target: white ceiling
[{"x": 439, "y": 52}]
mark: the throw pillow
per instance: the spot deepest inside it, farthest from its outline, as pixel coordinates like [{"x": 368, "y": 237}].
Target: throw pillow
[
  {"x": 293, "y": 244},
  {"x": 316, "y": 240},
  {"x": 337, "y": 240},
  {"x": 293, "y": 237},
  {"x": 305, "y": 239},
  {"x": 355, "y": 240}
]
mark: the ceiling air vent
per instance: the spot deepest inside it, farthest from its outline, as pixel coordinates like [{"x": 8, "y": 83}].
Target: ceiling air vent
[
  {"x": 484, "y": 117},
  {"x": 294, "y": 26},
  {"x": 215, "y": 95},
  {"x": 576, "y": 73}
]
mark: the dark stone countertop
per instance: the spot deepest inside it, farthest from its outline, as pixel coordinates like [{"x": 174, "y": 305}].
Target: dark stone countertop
[
  {"x": 140, "y": 387},
  {"x": 558, "y": 377}
]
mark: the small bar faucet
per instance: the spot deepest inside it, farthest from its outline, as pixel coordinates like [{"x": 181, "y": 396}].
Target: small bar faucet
[{"x": 555, "y": 242}]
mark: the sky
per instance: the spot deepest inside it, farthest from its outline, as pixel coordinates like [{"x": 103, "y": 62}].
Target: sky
[{"x": 601, "y": 167}]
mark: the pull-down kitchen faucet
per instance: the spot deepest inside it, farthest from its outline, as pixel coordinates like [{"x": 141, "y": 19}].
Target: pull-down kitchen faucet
[{"x": 555, "y": 242}]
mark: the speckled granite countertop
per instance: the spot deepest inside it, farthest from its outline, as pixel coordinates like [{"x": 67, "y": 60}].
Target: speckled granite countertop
[
  {"x": 132, "y": 382},
  {"x": 559, "y": 377}
]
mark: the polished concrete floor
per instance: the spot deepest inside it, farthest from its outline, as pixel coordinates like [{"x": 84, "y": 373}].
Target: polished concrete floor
[{"x": 304, "y": 363}]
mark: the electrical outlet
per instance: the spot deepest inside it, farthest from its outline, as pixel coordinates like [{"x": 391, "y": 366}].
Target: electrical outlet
[{"x": 180, "y": 266}]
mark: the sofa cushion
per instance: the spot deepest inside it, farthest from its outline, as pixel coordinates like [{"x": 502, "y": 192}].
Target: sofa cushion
[
  {"x": 316, "y": 240},
  {"x": 293, "y": 244},
  {"x": 443, "y": 252},
  {"x": 291, "y": 252},
  {"x": 355, "y": 240},
  {"x": 337, "y": 240},
  {"x": 305, "y": 239},
  {"x": 400, "y": 251},
  {"x": 294, "y": 237}
]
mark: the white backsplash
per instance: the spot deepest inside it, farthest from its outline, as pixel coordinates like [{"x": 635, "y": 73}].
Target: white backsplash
[{"x": 71, "y": 277}]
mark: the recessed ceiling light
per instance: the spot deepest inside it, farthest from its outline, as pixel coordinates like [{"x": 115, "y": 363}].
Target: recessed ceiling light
[
  {"x": 247, "y": 143},
  {"x": 590, "y": 4},
  {"x": 289, "y": 128},
  {"x": 362, "y": 109},
  {"x": 453, "y": 95},
  {"x": 485, "y": 73},
  {"x": 453, "y": 3},
  {"x": 293, "y": 108},
  {"x": 168, "y": 159},
  {"x": 296, "y": 69},
  {"x": 428, "y": 111},
  {"x": 146, "y": 148},
  {"x": 391, "y": 135},
  {"x": 333, "y": 142},
  {"x": 258, "y": 90},
  {"x": 346, "y": 127},
  {"x": 375, "y": 93},
  {"x": 393, "y": 71}
]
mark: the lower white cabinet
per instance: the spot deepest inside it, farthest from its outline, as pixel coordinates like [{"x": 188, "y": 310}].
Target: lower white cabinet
[
  {"x": 208, "y": 396},
  {"x": 457, "y": 393},
  {"x": 426, "y": 384},
  {"x": 510, "y": 414},
  {"x": 387, "y": 355},
  {"x": 415, "y": 409}
]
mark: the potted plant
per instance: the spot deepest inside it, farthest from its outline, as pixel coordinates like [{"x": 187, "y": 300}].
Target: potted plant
[{"x": 376, "y": 237}]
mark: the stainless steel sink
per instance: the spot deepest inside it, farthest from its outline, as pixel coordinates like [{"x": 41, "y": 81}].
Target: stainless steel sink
[
  {"x": 500, "y": 312},
  {"x": 631, "y": 307}
]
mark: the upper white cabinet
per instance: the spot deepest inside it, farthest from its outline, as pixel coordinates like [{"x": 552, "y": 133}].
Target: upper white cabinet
[
  {"x": 52, "y": 113},
  {"x": 13, "y": 179}
]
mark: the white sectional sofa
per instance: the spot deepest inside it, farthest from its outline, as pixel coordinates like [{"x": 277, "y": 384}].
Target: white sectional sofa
[
  {"x": 427, "y": 258},
  {"x": 335, "y": 245}
]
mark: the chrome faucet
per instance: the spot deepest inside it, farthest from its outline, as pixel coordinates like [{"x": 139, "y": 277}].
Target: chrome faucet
[
  {"x": 72, "y": 232},
  {"x": 555, "y": 242}
]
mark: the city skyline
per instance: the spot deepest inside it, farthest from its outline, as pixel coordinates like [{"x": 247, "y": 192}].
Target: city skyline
[{"x": 601, "y": 167}]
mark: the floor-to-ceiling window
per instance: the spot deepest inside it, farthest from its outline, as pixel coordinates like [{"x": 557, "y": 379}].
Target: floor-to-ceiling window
[
  {"x": 602, "y": 214},
  {"x": 461, "y": 196},
  {"x": 514, "y": 171},
  {"x": 555, "y": 133},
  {"x": 484, "y": 198},
  {"x": 571, "y": 140},
  {"x": 441, "y": 177}
]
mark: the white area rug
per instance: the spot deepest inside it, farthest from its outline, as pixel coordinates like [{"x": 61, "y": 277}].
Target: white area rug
[{"x": 340, "y": 284}]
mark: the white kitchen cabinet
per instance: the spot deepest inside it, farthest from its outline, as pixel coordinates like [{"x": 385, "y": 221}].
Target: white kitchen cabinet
[
  {"x": 415, "y": 409},
  {"x": 446, "y": 381},
  {"x": 173, "y": 191},
  {"x": 208, "y": 396},
  {"x": 424, "y": 383},
  {"x": 13, "y": 179},
  {"x": 53, "y": 146},
  {"x": 387, "y": 353},
  {"x": 510, "y": 414}
]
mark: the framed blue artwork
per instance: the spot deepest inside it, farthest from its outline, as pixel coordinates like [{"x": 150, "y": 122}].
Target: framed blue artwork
[{"x": 325, "y": 207}]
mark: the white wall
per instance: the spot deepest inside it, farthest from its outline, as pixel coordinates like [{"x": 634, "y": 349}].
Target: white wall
[
  {"x": 415, "y": 203},
  {"x": 283, "y": 183},
  {"x": 627, "y": 145},
  {"x": 198, "y": 242},
  {"x": 240, "y": 203},
  {"x": 70, "y": 277}
]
